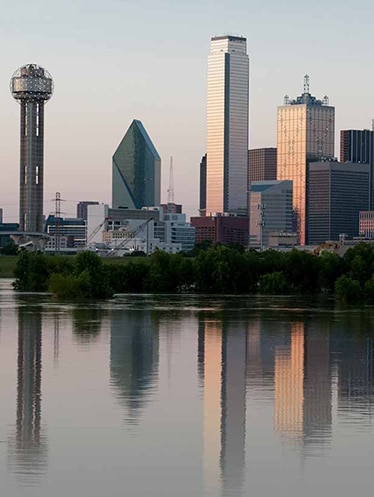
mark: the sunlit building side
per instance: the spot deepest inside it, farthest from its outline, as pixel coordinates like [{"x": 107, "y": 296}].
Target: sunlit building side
[
  {"x": 306, "y": 128},
  {"x": 227, "y": 125}
]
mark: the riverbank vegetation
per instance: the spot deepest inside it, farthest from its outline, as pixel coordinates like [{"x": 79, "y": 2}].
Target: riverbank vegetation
[{"x": 217, "y": 269}]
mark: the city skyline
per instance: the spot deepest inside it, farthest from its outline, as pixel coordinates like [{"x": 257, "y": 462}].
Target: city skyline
[{"x": 154, "y": 42}]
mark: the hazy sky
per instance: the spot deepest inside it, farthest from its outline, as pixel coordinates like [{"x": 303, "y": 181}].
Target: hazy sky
[{"x": 116, "y": 60}]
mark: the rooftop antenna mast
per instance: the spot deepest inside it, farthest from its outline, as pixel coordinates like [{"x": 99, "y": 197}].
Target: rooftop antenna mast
[
  {"x": 306, "y": 83},
  {"x": 171, "y": 183}
]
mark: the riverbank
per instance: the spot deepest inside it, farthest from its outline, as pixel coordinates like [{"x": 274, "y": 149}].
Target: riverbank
[
  {"x": 216, "y": 270},
  {"x": 7, "y": 265}
]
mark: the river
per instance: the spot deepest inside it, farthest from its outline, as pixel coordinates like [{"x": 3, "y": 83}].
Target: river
[{"x": 185, "y": 396}]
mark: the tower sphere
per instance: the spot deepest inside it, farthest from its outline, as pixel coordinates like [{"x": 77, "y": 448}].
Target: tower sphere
[{"x": 31, "y": 83}]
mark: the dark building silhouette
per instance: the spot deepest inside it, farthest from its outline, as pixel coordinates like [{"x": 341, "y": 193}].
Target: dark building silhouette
[
  {"x": 262, "y": 164},
  {"x": 32, "y": 86},
  {"x": 82, "y": 208},
  {"x": 336, "y": 194},
  {"x": 358, "y": 146},
  {"x": 202, "y": 196},
  {"x": 136, "y": 174}
]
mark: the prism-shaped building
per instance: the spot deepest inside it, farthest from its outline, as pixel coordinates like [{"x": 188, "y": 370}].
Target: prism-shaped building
[{"x": 136, "y": 176}]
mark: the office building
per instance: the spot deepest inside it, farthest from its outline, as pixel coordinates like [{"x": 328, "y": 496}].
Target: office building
[
  {"x": 358, "y": 146},
  {"x": 65, "y": 233},
  {"x": 336, "y": 194},
  {"x": 178, "y": 231},
  {"x": 305, "y": 134},
  {"x": 270, "y": 210},
  {"x": 32, "y": 86},
  {"x": 136, "y": 173},
  {"x": 202, "y": 196},
  {"x": 171, "y": 208},
  {"x": 221, "y": 229},
  {"x": 262, "y": 165},
  {"x": 227, "y": 126},
  {"x": 366, "y": 225},
  {"x": 82, "y": 208}
]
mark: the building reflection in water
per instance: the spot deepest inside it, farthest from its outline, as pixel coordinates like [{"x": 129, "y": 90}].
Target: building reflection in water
[
  {"x": 222, "y": 371},
  {"x": 134, "y": 358},
  {"x": 303, "y": 387},
  {"x": 27, "y": 449}
]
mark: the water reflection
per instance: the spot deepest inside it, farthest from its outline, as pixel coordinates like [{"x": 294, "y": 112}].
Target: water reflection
[
  {"x": 134, "y": 358},
  {"x": 87, "y": 323},
  {"x": 302, "y": 387},
  {"x": 222, "y": 367},
  {"x": 27, "y": 449}
]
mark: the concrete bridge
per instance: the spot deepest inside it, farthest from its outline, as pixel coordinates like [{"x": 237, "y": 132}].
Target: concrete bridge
[{"x": 38, "y": 240}]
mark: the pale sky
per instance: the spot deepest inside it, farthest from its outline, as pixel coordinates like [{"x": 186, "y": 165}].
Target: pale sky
[{"x": 116, "y": 60}]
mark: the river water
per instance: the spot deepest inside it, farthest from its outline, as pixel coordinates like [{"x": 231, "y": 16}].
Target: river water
[{"x": 185, "y": 396}]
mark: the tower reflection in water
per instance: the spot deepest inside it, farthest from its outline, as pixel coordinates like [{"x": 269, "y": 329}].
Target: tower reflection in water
[
  {"x": 303, "y": 387},
  {"x": 134, "y": 358},
  {"x": 222, "y": 369},
  {"x": 27, "y": 449}
]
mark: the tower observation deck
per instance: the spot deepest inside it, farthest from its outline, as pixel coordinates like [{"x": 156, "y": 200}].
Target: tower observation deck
[{"x": 32, "y": 86}]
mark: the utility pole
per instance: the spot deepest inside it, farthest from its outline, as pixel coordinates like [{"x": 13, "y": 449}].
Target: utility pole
[{"x": 57, "y": 200}]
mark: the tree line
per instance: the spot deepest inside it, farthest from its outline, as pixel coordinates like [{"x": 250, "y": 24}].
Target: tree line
[{"x": 209, "y": 269}]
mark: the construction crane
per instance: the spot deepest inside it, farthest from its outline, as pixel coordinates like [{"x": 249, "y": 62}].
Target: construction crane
[
  {"x": 96, "y": 230},
  {"x": 133, "y": 234}
]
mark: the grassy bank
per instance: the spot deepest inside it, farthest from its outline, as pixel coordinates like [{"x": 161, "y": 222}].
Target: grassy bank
[{"x": 7, "y": 265}]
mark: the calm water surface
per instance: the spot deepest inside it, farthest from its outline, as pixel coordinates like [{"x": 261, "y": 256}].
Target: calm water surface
[{"x": 185, "y": 396}]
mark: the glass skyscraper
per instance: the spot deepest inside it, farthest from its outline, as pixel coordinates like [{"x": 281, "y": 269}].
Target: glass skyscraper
[
  {"x": 305, "y": 134},
  {"x": 136, "y": 178},
  {"x": 358, "y": 146},
  {"x": 227, "y": 125}
]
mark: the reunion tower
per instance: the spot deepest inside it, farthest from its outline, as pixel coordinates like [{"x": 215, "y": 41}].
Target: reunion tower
[{"x": 32, "y": 86}]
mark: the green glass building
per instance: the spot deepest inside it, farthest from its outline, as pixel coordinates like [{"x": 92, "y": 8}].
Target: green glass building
[{"x": 136, "y": 174}]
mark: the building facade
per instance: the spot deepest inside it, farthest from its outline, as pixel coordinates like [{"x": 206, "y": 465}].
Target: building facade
[
  {"x": 336, "y": 194},
  {"x": 82, "y": 208},
  {"x": 202, "y": 196},
  {"x": 358, "y": 146},
  {"x": 366, "y": 228},
  {"x": 262, "y": 164},
  {"x": 305, "y": 134},
  {"x": 32, "y": 86},
  {"x": 65, "y": 233},
  {"x": 221, "y": 229},
  {"x": 136, "y": 173},
  {"x": 270, "y": 210},
  {"x": 227, "y": 125}
]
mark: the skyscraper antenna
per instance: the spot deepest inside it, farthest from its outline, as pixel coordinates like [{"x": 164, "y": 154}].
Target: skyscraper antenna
[
  {"x": 171, "y": 183},
  {"x": 306, "y": 83}
]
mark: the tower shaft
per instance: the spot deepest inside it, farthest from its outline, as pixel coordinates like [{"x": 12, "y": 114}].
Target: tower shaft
[{"x": 31, "y": 166}]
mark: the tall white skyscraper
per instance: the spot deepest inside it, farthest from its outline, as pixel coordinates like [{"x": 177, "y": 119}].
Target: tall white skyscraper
[{"x": 227, "y": 125}]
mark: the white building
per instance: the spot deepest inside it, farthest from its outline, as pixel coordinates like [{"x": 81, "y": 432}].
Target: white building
[
  {"x": 227, "y": 125},
  {"x": 147, "y": 229}
]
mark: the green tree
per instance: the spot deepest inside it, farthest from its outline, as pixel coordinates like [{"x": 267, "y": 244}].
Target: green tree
[
  {"x": 347, "y": 289},
  {"x": 274, "y": 284}
]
